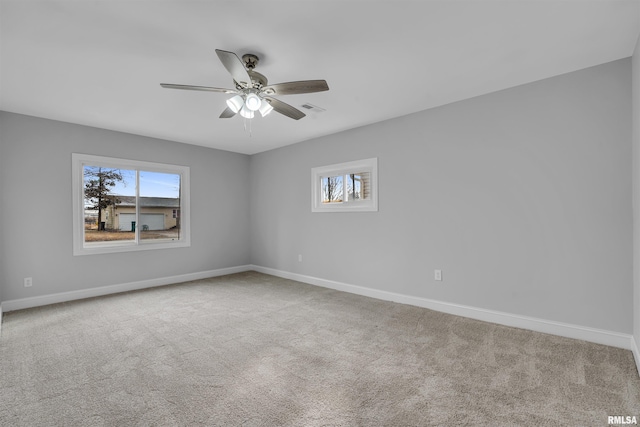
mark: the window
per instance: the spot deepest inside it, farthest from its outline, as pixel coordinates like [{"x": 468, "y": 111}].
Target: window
[
  {"x": 124, "y": 205},
  {"x": 345, "y": 187}
]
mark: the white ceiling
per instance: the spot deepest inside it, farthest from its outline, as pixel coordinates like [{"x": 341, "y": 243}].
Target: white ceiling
[{"x": 100, "y": 63}]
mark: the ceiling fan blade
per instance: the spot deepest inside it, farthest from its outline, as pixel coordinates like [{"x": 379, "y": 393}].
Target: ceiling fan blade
[
  {"x": 292, "y": 88},
  {"x": 284, "y": 108},
  {"x": 205, "y": 88},
  {"x": 235, "y": 67},
  {"x": 227, "y": 113}
]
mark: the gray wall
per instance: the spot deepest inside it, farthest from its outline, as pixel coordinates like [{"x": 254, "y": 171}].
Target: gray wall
[
  {"x": 522, "y": 197},
  {"x": 36, "y": 218}
]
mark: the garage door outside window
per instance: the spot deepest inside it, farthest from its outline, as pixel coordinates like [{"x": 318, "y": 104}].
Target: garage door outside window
[{"x": 148, "y": 222}]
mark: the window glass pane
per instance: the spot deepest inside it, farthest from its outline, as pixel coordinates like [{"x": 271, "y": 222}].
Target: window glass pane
[
  {"x": 107, "y": 193},
  {"x": 332, "y": 189},
  {"x": 358, "y": 186},
  {"x": 159, "y": 215}
]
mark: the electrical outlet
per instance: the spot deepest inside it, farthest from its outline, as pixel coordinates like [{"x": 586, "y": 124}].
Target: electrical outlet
[
  {"x": 28, "y": 282},
  {"x": 437, "y": 274},
  {"x": 299, "y": 257}
]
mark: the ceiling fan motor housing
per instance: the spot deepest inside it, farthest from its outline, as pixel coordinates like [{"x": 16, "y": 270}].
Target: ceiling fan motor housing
[{"x": 258, "y": 81}]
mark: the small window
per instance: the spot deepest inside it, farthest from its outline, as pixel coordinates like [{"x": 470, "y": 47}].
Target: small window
[
  {"x": 345, "y": 187},
  {"x": 125, "y": 205}
]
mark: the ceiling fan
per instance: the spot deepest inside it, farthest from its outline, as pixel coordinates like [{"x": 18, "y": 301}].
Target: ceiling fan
[{"x": 252, "y": 92}]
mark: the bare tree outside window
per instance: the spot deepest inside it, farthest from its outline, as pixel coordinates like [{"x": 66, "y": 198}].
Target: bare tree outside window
[
  {"x": 332, "y": 189},
  {"x": 98, "y": 184}
]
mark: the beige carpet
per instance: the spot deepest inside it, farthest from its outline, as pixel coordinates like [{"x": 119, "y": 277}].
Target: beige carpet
[{"x": 256, "y": 350}]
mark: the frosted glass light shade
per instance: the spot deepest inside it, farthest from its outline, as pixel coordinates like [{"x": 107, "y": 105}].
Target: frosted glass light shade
[
  {"x": 253, "y": 102},
  {"x": 235, "y": 103},
  {"x": 265, "y": 108},
  {"x": 246, "y": 113}
]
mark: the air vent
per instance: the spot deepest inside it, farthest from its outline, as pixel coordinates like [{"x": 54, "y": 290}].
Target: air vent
[{"x": 313, "y": 108}]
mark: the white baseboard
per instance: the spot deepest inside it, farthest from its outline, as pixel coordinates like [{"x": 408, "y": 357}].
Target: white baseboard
[
  {"x": 636, "y": 352},
  {"x": 22, "y": 303},
  {"x": 599, "y": 336}
]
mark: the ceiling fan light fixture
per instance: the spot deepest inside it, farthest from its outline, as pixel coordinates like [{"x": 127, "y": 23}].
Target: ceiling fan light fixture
[
  {"x": 253, "y": 102},
  {"x": 265, "y": 108},
  {"x": 235, "y": 103}
]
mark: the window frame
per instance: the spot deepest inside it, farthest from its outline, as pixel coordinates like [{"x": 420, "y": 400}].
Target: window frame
[
  {"x": 79, "y": 161},
  {"x": 344, "y": 169}
]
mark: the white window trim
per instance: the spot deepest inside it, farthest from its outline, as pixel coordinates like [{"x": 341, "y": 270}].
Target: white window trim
[
  {"x": 366, "y": 165},
  {"x": 79, "y": 247}
]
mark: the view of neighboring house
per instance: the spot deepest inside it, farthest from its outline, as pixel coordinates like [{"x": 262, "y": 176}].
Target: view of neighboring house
[{"x": 156, "y": 213}]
